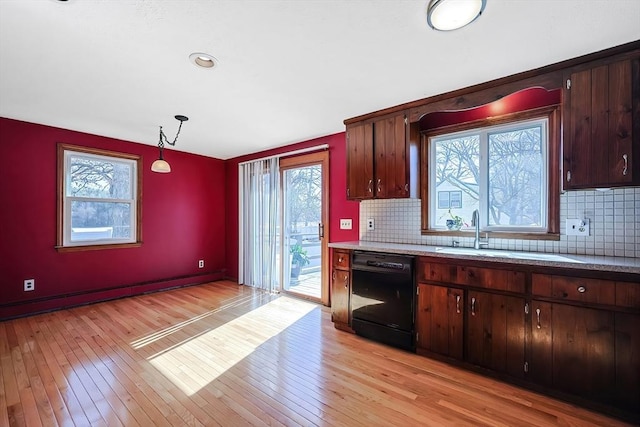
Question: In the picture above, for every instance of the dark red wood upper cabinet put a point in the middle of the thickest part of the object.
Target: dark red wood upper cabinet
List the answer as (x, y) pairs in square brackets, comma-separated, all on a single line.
[(360, 161), (377, 160), (390, 165), (601, 141)]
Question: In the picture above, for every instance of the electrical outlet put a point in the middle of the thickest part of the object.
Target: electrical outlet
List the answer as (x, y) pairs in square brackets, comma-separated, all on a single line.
[(29, 285), (201, 263), (577, 227), (345, 224), (370, 224)]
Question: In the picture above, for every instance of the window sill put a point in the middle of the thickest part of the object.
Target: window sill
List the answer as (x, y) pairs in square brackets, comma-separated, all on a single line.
[(85, 248), (494, 234)]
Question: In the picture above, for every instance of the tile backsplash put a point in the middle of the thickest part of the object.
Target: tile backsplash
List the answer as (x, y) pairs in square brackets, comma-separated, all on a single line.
[(614, 225)]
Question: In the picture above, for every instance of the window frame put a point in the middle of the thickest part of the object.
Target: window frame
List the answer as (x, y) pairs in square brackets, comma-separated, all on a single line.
[(64, 202), (552, 231)]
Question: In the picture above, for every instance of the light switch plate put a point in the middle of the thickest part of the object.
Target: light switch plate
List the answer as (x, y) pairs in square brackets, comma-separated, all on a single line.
[(345, 224), (577, 227)]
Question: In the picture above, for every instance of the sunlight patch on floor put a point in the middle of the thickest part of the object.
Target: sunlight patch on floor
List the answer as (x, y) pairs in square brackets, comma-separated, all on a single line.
[(158, 335), (195, 363)]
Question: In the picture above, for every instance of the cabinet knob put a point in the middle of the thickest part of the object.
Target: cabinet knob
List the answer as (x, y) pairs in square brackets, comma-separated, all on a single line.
[(379, 183), (340, 260), (582, 289), (370, 186), (626, 164)]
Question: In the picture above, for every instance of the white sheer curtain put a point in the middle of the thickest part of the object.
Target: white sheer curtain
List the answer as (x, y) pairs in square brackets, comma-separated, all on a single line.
[(259, 211)]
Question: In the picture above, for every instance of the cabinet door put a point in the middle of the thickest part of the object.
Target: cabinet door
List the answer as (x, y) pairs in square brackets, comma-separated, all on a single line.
[(340, 297), (620, 133), (439, 320), (390, 165), (599, 138), (360, 161), (627, 350), (583, 360), (495, 332), (541, 364)]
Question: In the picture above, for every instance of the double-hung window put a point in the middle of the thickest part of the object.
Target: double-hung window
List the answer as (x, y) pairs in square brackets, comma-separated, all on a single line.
[(98, 198), (502, 171)]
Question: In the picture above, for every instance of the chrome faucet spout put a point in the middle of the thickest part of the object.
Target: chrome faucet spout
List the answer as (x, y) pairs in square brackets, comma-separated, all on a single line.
[(475, 221)]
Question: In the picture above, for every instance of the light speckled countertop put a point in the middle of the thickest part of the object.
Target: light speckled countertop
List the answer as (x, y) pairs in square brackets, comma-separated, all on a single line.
[(581, 262)]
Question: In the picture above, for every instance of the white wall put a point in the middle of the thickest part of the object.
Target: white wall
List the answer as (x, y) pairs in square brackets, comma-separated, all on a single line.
[(614, 220)]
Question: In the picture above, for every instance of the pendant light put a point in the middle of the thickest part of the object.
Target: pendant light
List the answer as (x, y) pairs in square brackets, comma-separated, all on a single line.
[(161, 165)]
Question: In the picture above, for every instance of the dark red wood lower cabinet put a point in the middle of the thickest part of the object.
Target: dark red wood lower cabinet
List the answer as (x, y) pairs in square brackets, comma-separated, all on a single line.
[(439, 320), (627, 342), (340, 297), (495, 332), (573, 350)]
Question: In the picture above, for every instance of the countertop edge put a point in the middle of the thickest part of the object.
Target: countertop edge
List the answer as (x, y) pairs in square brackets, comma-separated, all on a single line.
[(581, 262)]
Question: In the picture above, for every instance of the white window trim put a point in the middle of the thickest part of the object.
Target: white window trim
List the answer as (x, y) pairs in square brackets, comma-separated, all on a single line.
[(132, 161), (483, 133)]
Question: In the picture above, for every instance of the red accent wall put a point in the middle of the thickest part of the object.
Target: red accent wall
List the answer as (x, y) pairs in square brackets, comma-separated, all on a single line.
[(183, 220), (339, 206)]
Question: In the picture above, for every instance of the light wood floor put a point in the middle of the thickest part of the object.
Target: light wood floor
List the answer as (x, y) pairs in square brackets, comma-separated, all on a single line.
[(223, 354)]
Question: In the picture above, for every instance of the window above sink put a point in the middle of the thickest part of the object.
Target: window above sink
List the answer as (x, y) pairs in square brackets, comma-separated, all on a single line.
[(501, 158)]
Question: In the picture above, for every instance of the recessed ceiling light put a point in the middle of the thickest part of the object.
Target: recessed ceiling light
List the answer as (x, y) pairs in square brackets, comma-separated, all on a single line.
[(203, 60)]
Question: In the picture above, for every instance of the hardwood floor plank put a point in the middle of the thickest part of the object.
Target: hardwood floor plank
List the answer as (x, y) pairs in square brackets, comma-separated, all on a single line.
[(28, 346), (46, 378), (67, 408), (80, 383), (4, 415), (229, 355)]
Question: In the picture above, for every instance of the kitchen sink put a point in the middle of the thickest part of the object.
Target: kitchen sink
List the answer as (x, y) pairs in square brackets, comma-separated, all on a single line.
[(536, 256)]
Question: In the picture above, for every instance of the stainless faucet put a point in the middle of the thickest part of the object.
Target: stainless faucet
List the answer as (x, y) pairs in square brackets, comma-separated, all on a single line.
[(475, 221)]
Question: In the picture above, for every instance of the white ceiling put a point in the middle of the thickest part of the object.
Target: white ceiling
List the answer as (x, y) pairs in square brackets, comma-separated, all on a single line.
[(288, 70)]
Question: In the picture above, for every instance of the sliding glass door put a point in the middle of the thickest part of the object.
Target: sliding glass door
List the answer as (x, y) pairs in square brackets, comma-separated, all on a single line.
[(304, 251)]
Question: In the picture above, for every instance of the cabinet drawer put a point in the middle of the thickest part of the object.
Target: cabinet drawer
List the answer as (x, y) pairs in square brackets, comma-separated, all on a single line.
[(341, 259), (574, 288), (504, 280), (628, 294), (430, 271)]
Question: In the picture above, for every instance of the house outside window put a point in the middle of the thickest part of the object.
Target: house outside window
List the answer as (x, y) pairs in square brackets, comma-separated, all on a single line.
[(449, 199), (98, 198), (500, 170)]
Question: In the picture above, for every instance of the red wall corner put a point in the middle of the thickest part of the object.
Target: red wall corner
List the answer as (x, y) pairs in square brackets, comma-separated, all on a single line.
[(182, 220)]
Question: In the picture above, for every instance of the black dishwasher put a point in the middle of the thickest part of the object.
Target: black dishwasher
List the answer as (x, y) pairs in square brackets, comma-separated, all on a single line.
[(383, 298)]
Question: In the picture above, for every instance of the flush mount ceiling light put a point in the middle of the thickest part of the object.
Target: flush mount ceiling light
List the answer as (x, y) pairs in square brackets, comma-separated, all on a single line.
[(161, 165), (447, 15), (203, 60)]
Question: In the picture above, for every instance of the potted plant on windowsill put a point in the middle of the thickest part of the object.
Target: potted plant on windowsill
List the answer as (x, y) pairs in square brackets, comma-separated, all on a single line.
[(455, 222), (299, 259)]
